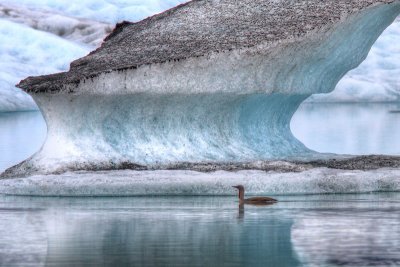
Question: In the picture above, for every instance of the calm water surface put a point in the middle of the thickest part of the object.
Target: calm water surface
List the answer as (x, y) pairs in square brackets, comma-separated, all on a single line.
[(326, 230), (352, 128), (21, 135)]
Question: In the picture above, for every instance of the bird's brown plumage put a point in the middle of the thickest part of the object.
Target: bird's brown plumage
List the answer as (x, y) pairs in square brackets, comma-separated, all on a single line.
[(253, 200)]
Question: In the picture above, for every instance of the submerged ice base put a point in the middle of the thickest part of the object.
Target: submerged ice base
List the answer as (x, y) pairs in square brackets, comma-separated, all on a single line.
[(192, 183), (227, 98)]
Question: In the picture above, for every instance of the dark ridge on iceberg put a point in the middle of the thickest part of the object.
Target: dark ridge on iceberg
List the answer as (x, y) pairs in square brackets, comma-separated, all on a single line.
[(367, 162), (118, 29), (199, 28), (362, 163)]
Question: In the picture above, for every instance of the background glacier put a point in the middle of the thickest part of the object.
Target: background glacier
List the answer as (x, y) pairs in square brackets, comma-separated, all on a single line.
[(41, 37)]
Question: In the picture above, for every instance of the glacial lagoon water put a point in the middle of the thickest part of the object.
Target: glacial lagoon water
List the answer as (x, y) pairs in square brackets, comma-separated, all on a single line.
[(300, 230), (349, 128), (21, 135), (319, 230)]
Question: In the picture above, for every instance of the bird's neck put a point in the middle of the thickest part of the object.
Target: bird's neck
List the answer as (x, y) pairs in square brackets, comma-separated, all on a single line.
[(241, 194)]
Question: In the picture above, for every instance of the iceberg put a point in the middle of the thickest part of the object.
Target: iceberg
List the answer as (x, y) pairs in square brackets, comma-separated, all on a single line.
[(213, 82)]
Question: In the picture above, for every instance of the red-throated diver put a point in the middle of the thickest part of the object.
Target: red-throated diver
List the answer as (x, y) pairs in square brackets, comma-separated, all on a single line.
[(253, 200)]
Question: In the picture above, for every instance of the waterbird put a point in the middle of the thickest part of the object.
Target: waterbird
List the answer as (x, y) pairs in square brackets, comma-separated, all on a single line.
[(253, 200)]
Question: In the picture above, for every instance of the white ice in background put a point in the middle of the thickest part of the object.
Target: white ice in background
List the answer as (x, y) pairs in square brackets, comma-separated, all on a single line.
[(78, 30), (111, 11), (26, 52), (377, 79)]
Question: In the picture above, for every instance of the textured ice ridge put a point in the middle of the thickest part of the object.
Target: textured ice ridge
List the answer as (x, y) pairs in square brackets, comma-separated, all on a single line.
[(167, 182), (208, 81)]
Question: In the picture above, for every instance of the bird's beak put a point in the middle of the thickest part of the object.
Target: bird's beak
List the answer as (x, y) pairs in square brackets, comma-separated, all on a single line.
[(235, 187)]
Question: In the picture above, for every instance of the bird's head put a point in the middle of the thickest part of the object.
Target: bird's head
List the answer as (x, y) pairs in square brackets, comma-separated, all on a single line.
[(239, 187)]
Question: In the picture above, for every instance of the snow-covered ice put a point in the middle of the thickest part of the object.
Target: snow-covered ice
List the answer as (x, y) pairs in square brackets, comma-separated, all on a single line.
[(83, 31), (111, 11), (168, 182), (25, 52)]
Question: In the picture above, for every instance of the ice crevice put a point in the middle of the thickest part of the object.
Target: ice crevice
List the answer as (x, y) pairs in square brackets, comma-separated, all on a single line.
[(225, 99)]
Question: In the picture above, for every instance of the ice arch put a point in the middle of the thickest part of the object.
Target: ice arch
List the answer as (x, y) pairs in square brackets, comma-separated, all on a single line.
[(208, 81)]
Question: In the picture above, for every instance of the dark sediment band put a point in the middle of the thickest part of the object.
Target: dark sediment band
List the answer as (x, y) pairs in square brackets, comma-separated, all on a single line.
[(362, 163)]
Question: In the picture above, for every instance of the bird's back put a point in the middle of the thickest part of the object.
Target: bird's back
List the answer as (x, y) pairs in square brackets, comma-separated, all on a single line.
[(261, 200)]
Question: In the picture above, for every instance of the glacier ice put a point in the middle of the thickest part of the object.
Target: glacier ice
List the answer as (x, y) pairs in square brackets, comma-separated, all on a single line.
[(78, 30), (111, 11), (377, 79), (231, 106), (164, 129), (18, 60)]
